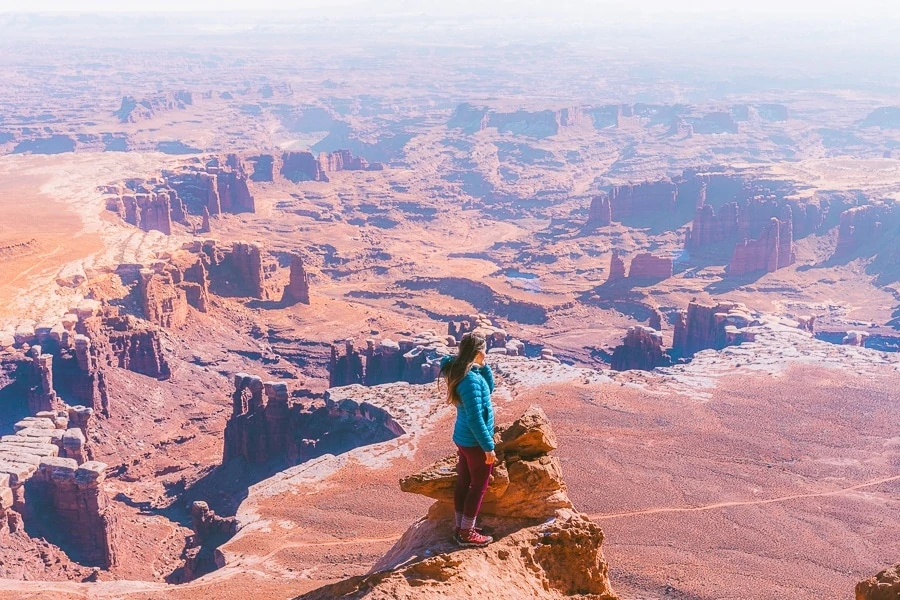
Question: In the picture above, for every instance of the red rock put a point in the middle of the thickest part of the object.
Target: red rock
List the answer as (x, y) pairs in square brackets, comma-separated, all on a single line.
[(616, 267), (773, 250), (264, 424), (705, 326), (68, 503), (641, 199), (647, 266), (863, 224), (301, 166), (600, 212), (883, 586), (297, 289), (641, 349)]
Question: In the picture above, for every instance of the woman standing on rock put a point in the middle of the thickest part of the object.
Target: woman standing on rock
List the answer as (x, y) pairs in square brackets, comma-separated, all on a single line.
[(469, 385)]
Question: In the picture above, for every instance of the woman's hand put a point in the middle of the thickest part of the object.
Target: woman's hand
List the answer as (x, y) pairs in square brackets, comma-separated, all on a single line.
[(490, 457)]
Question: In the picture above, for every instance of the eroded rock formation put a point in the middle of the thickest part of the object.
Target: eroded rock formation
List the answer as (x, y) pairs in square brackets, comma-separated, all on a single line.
[(220, 186), (265, 425), (600, 212), (773, 250), (704, 326), (883, 586), (616, 267), (210, 532), (73, 508), (864, 224), (302, 166), (641, 349), (654, 198), (133, 110), (414, 360), (49, 483), (649, 267), (559, 557), (297, 289)]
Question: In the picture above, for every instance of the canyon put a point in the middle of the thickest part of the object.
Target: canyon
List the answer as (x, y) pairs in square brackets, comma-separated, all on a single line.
[(235, 251)]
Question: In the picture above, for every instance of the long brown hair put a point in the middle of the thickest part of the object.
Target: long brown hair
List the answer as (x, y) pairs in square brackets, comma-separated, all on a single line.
[(457, 367)]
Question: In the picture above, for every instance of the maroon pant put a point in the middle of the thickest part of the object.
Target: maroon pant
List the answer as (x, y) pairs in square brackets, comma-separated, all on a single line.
[(473, 475)]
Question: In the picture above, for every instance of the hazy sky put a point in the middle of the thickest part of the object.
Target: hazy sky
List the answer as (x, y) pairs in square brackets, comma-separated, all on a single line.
[(875, 10)]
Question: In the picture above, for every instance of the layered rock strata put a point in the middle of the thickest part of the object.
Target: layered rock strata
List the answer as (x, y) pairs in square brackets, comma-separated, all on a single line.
[(716, 326), (641, 349), (155, 204), (773, 249), (297, 290), (864, 224), (48, 481), (544, 548), (883, 586), (266, 425), (649, 267), (414, 360)]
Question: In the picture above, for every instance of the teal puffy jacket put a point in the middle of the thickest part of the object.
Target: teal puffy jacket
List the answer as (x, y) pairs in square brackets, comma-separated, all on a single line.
[(475, 414)]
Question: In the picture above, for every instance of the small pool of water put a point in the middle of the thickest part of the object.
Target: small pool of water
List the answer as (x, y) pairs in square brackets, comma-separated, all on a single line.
[(517, 274), (882, 343)]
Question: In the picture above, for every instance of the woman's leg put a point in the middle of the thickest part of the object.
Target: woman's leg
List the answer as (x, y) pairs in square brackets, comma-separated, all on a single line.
[(480, 473), (463, 481)]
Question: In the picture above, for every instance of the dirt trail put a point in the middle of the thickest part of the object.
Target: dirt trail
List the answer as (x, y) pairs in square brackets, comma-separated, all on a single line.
[(674, 509)]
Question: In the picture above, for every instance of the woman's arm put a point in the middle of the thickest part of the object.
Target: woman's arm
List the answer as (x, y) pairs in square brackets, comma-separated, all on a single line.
[(488, 375), (474, 398)]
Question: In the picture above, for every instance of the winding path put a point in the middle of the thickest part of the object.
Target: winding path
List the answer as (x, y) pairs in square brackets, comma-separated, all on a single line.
[(652, 511)]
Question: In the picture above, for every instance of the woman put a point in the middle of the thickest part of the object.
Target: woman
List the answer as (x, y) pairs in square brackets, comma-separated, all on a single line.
[(469, 386)]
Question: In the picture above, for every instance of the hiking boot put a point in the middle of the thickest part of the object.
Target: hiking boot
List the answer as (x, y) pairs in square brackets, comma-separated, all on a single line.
[(470, 538)]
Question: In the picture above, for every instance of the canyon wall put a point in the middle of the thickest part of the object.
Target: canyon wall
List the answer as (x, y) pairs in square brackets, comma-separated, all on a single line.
[(703, 326), (864, 224), (183, 196), (641, 349), (266, 425), (773, 249), (649, 267), (49, 485)]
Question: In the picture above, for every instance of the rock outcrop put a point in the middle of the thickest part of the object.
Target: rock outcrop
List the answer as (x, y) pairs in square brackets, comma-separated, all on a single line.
[(886, 117), (133, 110), (651, 198), (237, 269), (600, 212), (266, 425), (537, 124), (49, 483), (716, 326), (297, 290), (302, 166), (649, 267), (641, 349), (616, 267), (544, 548), (496, 337), (864, 224), (773, 250), (855, 338), (210, 532), (220, 186), (414, 360), (343, 160), (69, 502), (883, 586)]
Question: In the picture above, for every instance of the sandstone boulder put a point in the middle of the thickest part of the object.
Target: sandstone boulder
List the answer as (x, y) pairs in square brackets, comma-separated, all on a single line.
[(883, 586), (526, 483)]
